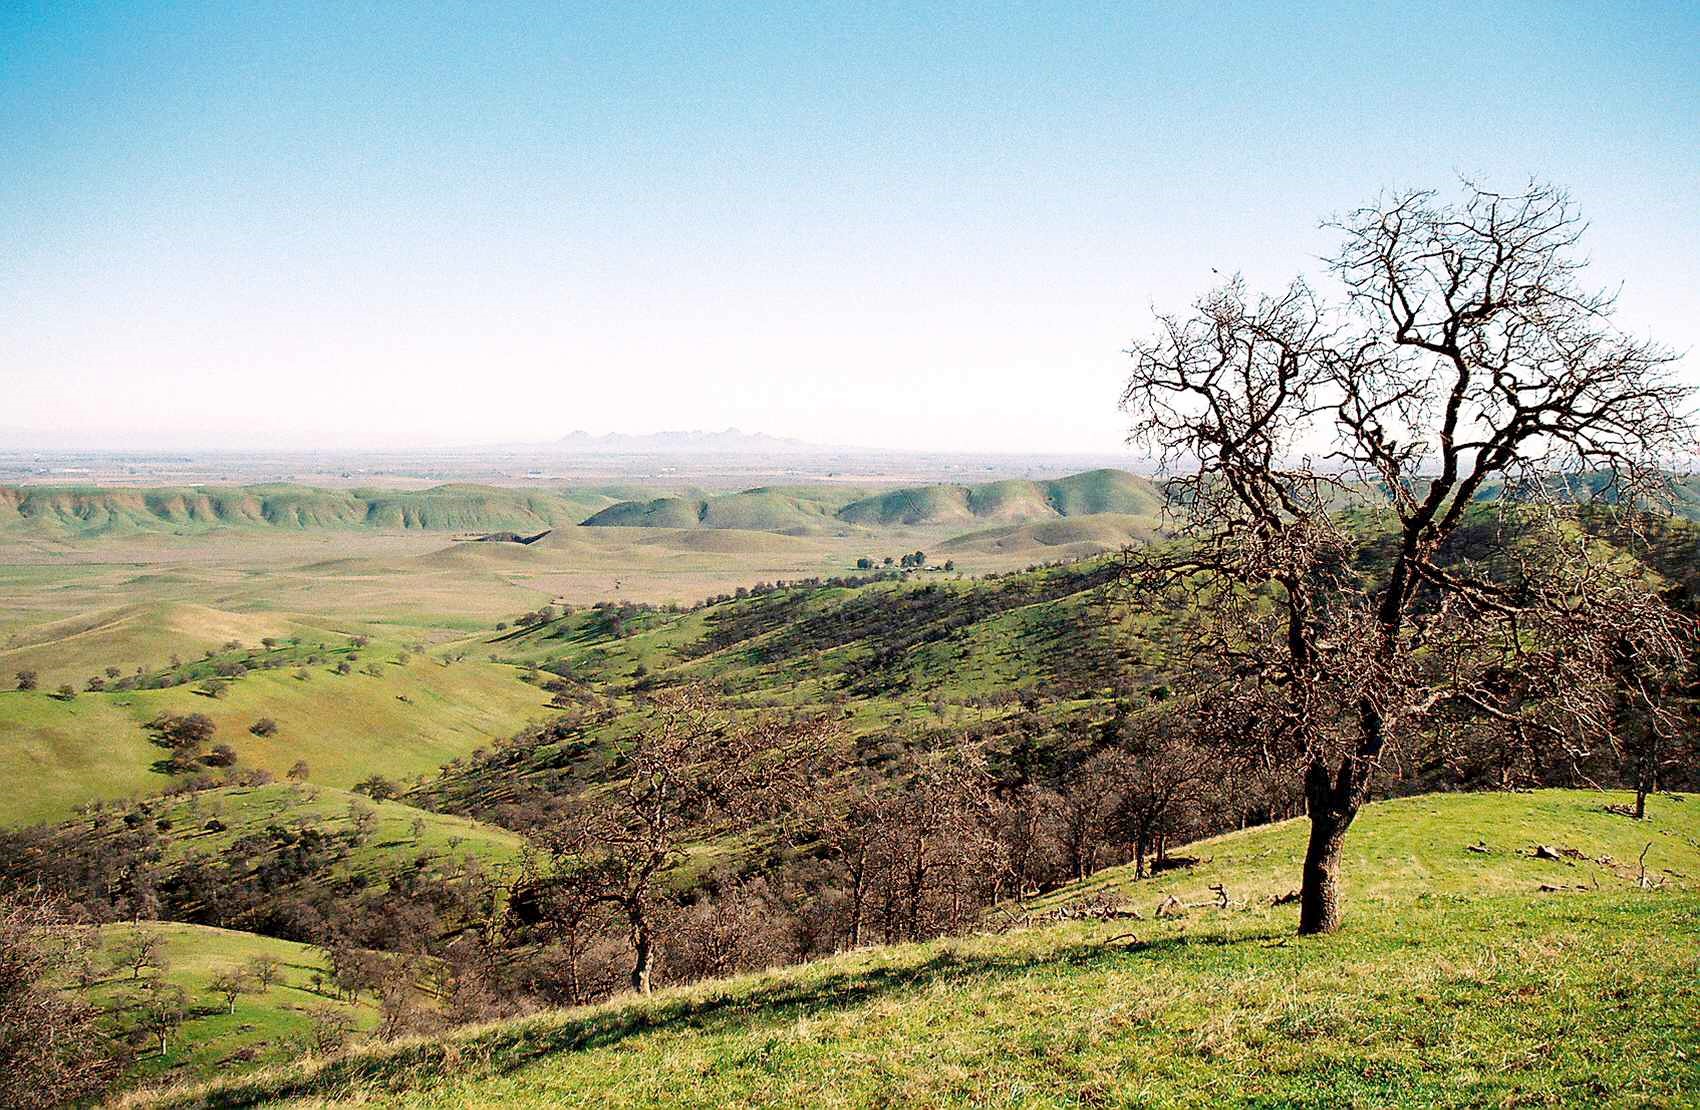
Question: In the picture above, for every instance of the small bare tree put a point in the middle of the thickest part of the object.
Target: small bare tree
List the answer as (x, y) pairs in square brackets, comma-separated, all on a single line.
[(1085, 805), (1464, 365), (264, 970), (855, 839), (1163, 779), (689, 764), (143, 948), (159, 1010), (231, 985)]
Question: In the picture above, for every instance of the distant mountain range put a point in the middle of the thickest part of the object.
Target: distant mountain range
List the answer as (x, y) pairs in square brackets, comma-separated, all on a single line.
[(731, 441)]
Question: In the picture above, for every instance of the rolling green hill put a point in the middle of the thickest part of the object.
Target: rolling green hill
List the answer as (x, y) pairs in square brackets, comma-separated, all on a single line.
[(268, 1026), (1072, 537), (246, 811), (812, 510), (215, 825), (83, 511), (804, 511), (411, 720), (138, 634), (1469, 973), (1097, 491)]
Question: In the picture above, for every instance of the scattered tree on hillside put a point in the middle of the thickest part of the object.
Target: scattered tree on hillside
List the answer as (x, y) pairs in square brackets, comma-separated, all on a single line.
[(27, 680), (265, 726), (264, 970), (1466, 365), (378, 788), (159, 1009), (688, 763), (143, 948), (364, 821), (184, 731), (230, 985)]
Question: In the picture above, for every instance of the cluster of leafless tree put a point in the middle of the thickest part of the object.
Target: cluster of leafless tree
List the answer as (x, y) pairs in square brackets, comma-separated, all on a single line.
[(912, 855)]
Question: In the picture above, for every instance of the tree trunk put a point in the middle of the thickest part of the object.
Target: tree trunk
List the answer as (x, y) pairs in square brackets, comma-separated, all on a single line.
[(1646, 781), (1332, 808), (858, 895), (644, 947)]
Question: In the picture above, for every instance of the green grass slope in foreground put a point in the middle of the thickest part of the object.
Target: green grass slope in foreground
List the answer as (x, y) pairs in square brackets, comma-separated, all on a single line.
[(1457, 981)]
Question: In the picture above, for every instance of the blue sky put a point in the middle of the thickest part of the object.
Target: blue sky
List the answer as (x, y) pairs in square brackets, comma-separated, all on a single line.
[(900, 225)]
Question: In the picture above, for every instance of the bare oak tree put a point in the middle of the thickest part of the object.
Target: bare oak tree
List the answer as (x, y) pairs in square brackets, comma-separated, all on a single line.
[(1464, 368), (690, 763), (52, 1052)]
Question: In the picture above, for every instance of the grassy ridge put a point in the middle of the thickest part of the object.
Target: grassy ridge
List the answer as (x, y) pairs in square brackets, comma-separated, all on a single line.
[(1054, 539), (1096, 491), (138, 634), (1458, 981), (811, 510), (768, 509), (93, 511)]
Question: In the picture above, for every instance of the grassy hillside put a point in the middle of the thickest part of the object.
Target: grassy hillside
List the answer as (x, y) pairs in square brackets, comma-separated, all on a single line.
[(138, 634), (813, 510), (242, 812), (257, 832), (409, 721), (1073, 537), (908, 665), (269, 1026), (1460, 979), (800, 511), (1097, 491), (77, 511)]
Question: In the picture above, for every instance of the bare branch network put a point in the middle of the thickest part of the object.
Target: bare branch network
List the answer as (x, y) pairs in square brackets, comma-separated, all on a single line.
[(1340, 465)]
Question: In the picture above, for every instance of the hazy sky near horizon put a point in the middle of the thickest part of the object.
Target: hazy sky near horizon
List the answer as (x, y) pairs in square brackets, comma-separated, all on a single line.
[(905, 225)]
